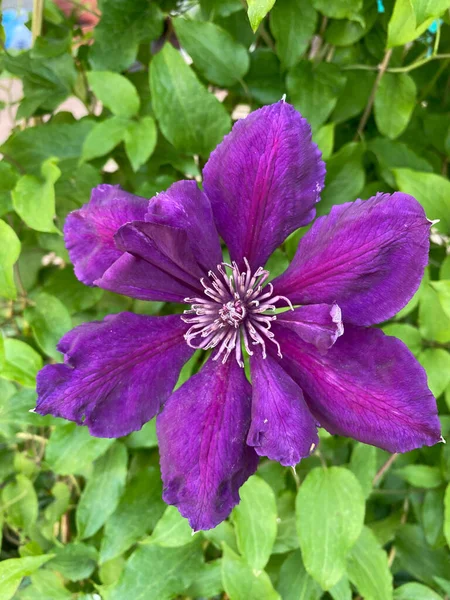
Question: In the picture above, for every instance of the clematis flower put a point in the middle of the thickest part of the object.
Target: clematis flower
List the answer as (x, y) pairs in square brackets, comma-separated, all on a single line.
[(317, 363)]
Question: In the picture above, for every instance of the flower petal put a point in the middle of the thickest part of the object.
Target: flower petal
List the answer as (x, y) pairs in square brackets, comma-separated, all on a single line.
[(318, 324), (282, 427), (185, 206), (117, 372), (263, 181), (367, 386), (368, 256), (89, 231), (201, 432)]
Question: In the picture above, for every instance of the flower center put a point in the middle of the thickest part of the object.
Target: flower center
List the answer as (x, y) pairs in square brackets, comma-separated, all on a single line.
[(235, 305)]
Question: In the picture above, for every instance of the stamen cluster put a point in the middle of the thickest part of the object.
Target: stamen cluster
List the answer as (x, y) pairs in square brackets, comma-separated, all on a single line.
[(235, 304)]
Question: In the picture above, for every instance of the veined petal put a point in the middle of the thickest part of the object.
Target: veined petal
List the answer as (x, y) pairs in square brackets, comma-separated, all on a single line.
[(117, 372), (282, 427), (89, 231), (368, 386), (263, 182), (368, 256), (318, 324), (185, 206), (201, 432)]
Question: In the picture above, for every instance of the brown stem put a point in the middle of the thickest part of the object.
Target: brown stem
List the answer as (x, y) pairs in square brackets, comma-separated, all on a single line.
[(387, 465), (381, 70)]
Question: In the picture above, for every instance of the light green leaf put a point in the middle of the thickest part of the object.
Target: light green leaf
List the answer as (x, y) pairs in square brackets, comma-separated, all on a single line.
[(19, 362), (403, 26), (436, 362), (116, 92), (215, 53), (74, 561), (431, 190), (172, 530), (443, 291), (104, 137), (342, 590), (392, 154), (241, 582), (71, 449), (330, 513), (156, 573), (395, 100), (340, 9), (415, 591), (363, 464), (101, 495), (20, 502), (368, 568), (140, 141), (49, 320), (434, 324), (257, 10), (324, 138), (255, 520), (345, 177), (34, 199), (407, 333), (292, 24), (287, 538), (314, 90), (421, 476), (208, 581), (46, 584), (9, 253), (447, 514), (12, 571), (191, 118), (294, 583), (426, 9)]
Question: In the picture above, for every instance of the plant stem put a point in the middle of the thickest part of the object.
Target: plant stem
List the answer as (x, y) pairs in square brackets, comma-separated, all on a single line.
[(36, 21), (384, 468)]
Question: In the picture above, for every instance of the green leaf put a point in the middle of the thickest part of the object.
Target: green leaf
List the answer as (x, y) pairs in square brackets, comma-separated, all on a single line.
[(75, 296), (342, 590), (255, 520), (264, 79), (368, 568), (415, 591), (49, 320), (74, 561), (71, 449), (257, 10), (407, 333), (421, 476), (426, 9), (101, 495), (314, 90), (443, 291), (324, 138), (363, 464), (172, 530), (12, 571), (330, 514), (431, 190), (292, 25), (156, 573), (46, 584), (345, 177), (434, 324), (294, 582), (104, 137), (139, 509), (395, 100), (145, 437), (124, 25), (19, 362), (287, 538), (433, 515), (140, 141), (34, 199), (339, 9), (241, 582), (191, 118), (392, 154), (116, 92), (436, 362), (403, 26), (20, 502), (208, 582), (217, 56), (447, 514), (354, 96), (9, 253)]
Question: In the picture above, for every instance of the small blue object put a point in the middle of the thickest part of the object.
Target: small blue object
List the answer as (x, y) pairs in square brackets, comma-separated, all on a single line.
[(18, 36), (380, 6), (435, 26)]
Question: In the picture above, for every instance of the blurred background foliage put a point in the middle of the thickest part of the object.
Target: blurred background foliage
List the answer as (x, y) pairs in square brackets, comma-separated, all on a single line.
[(137, 93)]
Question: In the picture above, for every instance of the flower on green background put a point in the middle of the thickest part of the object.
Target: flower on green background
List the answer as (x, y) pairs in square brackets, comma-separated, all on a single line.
[(317, 364)]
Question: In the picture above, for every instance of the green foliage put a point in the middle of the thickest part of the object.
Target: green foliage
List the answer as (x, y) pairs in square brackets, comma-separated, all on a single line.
[(83, 517)]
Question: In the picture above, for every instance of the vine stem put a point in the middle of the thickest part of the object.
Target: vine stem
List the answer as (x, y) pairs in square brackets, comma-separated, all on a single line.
[(381, 71), (36, 21), (384, 468)]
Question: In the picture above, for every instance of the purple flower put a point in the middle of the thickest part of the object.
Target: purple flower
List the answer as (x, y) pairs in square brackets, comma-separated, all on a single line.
[(314, 365)]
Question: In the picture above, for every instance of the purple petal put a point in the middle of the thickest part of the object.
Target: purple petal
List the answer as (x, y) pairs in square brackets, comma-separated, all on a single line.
[(117, 372), (369, 257), (263, 181), (282, 427), (185, 206), (201, 432), (368, 386), (318, 324), (89, 231)]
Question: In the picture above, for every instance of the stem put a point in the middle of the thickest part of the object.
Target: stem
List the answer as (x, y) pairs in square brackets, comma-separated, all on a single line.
[(418, 64), (36, 22), (387, 465), (381, 71)]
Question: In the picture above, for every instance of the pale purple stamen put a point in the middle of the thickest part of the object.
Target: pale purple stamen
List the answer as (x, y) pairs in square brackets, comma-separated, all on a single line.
[(234, 304)]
